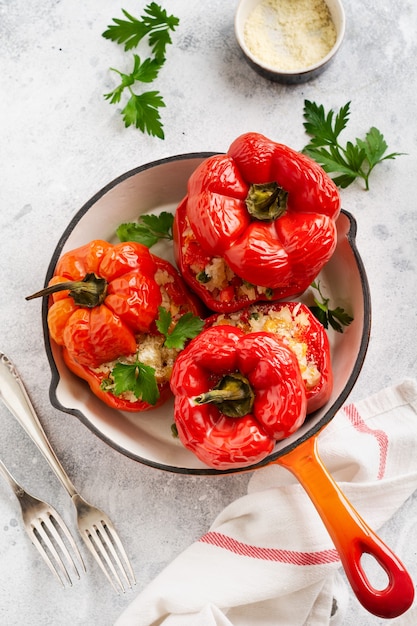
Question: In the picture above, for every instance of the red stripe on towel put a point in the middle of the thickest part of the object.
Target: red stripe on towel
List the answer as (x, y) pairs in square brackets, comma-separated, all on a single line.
[(381, 436), (270, 554)]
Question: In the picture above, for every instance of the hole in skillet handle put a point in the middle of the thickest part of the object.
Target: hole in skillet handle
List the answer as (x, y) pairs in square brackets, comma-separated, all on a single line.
[(376, 575), (351, 535)]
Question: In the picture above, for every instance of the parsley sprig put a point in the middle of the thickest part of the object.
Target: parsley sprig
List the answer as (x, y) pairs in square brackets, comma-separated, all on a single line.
[(148, 230), (187, 327), (137, 378), (336, 318), (356, 159), (142, 110)]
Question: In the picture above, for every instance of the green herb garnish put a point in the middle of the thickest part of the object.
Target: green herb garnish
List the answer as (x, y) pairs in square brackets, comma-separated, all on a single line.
[(137, 378), (187, 327), (148, 230), (336, 318), (142, 110), (202, 277), (355, 160), (154, 24)]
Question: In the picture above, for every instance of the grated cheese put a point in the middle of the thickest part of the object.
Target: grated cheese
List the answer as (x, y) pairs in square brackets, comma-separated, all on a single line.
[(162, 278), (289, 326), (290, 34)]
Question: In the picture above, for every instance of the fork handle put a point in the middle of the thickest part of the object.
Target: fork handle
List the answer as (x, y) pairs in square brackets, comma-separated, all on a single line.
[(16, 399), (18, 490)]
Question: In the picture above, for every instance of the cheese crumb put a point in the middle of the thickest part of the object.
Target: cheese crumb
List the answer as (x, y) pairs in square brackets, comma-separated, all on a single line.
[(290, 34)]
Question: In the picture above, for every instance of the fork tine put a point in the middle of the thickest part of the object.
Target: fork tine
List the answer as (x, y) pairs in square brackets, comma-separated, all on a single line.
[(93, 544), (56, 520), (38, 545), (104, 532), (40, 539), (116, 540), (101, 538)]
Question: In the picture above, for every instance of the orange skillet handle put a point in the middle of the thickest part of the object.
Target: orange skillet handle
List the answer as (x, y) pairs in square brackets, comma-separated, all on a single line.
[(351, 535)]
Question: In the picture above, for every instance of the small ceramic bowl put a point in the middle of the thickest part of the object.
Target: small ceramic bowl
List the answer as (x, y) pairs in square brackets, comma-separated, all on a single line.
[(294, 49)]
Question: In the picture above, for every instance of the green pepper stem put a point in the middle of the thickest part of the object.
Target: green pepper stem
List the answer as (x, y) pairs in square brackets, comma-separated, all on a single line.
[(88, 292), (267, 201), (233, 395), (219, 395)]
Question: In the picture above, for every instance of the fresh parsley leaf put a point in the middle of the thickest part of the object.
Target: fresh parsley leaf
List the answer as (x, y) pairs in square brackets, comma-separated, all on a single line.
[(164, 321), (137, 378), (321, 315), (115, 95), (375, 147), (320, 125), (148, 230), (356, 159), (155, 17), (129, 31), (159, 25), (145, 72), (155, 23), (339, 318), (336, 318), (142, 111), (332, 161), (159, 41), (187, 327)]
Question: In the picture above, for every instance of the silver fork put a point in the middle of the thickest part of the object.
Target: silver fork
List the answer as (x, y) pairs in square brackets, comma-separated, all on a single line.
[(43, 525), (95, 527)]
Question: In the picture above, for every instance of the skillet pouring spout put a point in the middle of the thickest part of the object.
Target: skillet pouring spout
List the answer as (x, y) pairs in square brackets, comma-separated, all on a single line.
[(350, 534)]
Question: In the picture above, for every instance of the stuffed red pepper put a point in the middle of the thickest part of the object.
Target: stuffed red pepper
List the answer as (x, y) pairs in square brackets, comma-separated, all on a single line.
[(235, 395), (258, 223), (108, 306)]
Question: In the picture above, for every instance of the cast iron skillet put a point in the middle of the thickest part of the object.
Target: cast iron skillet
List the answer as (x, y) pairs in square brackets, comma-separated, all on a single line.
[(146, 437)]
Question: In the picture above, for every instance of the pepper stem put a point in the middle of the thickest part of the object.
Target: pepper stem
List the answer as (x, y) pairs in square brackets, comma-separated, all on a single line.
[(267, 201), (233, 396), (88, 292)]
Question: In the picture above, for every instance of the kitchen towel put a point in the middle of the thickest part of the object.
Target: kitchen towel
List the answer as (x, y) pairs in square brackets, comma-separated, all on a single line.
[(267, 559)]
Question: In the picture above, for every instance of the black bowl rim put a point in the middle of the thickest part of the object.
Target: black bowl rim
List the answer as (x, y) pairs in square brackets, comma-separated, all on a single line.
[(325, 419)]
